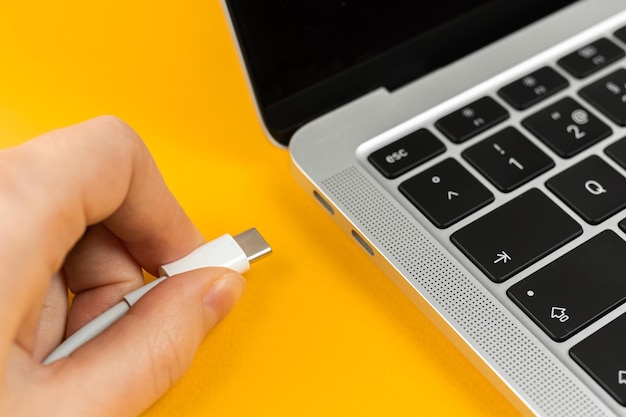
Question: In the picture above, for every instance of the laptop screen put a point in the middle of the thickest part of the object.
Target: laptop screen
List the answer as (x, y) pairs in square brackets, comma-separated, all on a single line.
[(307, 57)]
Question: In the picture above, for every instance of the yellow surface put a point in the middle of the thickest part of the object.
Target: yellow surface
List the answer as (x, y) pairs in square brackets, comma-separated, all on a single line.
[(319, 330)]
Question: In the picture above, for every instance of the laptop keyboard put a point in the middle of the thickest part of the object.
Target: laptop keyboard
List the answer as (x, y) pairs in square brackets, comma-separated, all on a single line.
[(585, 284)]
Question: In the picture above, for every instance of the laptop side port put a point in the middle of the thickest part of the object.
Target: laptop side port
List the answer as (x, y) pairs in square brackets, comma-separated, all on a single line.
[(323, 202), (363, 243)]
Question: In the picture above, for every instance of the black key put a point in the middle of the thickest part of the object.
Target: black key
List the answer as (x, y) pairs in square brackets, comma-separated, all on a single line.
[(591, 58), (622, 225), (533, 88), (621, 34), (515, 235), (608, 94), (617, 152), (472, 119), (576, 289), (567, 127), (592, 188), (446, 193), (508, 159), (407, 153), (602, 356)]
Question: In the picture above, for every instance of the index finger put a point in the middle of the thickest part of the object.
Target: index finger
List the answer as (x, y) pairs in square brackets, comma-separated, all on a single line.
[(53, 187)]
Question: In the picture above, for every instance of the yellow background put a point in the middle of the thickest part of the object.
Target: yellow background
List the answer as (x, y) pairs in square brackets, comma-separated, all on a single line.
[(319, 330)]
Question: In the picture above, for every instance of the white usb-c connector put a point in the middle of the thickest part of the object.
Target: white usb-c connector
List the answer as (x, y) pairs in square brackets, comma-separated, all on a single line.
[(234, 252)]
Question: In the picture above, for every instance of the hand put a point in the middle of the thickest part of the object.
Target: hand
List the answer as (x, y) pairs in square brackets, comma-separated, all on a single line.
[(85, 208)]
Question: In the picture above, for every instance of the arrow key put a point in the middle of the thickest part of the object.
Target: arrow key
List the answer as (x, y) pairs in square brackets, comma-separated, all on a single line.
[(502, 257), (577, 289), (515, 235), (601, 355)]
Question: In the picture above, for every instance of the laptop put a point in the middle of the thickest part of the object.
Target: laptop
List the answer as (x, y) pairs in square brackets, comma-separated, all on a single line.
[(476, 151)]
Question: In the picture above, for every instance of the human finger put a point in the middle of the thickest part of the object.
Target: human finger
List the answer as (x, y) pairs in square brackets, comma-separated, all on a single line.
[(50, 329), (99, 271), (140, 357), (55, 186)]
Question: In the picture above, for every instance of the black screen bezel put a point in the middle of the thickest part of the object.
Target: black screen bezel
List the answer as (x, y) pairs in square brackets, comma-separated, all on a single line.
[(397, 65)]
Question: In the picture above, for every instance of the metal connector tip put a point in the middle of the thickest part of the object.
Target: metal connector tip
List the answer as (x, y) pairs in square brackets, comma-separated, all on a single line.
[(253, 244)]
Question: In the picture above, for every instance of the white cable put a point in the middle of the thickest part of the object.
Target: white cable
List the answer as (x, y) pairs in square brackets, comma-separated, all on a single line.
[(226, 251)]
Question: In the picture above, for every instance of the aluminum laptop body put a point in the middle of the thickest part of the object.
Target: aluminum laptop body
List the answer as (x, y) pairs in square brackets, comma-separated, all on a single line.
[(537, 356)]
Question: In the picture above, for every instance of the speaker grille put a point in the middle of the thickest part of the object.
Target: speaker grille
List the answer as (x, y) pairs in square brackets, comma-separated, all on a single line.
[(485, 323)]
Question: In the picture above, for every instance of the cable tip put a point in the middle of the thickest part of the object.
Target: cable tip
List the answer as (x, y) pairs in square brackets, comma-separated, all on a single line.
[(253, 244)]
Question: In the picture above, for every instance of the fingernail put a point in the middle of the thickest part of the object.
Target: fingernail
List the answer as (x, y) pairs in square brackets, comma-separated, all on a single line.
[(224, 294)]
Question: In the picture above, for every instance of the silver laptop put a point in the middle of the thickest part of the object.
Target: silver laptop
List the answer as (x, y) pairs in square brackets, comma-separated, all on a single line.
[(476, 150)]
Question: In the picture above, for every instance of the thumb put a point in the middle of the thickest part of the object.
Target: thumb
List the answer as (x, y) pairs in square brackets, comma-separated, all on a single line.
[(130, 365)]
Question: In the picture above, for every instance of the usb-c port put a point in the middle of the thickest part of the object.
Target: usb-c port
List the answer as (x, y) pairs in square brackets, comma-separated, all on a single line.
[(323, 202), (363, 243)]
